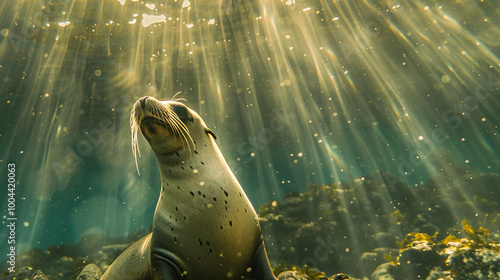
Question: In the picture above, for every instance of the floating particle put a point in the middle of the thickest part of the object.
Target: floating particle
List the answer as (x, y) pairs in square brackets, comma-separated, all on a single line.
[(64, 23)]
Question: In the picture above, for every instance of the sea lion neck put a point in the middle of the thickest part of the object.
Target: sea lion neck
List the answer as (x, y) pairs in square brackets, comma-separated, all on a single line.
[(192, 163)]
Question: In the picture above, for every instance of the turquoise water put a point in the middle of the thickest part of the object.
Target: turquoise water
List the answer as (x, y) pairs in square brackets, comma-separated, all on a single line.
[(296, 91)]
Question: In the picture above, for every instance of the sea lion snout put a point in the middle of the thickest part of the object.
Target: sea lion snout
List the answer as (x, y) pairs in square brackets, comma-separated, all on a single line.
[(163, 124), (144, 108)]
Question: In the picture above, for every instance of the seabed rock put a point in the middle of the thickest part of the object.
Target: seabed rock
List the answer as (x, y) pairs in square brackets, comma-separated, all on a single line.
[(416, 262), (481, 263), (90, 272), (477, 256), (292, 275), (26, 273)]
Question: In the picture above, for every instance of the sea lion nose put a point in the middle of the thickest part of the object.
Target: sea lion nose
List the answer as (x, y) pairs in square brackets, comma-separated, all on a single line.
[(143, 101)]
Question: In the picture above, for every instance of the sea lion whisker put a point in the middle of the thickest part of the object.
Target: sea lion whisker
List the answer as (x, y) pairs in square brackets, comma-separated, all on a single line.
[(182, 131), (134, 127), (176, 123), (175, 127), (177, 99), (188, 139)]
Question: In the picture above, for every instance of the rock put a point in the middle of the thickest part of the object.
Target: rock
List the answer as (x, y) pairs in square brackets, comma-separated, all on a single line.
[(382, 272), (111, 252), (372, 259), (483, 263), (26, 273), (90, 272), (438, 274), (292, 275), (339, 276), (475, 256), (417, 261)]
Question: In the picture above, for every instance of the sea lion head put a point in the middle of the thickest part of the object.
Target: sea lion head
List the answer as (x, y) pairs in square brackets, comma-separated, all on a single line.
[(168, 125)]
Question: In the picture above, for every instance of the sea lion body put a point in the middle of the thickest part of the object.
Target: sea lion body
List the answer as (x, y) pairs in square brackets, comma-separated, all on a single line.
[(204, 226)]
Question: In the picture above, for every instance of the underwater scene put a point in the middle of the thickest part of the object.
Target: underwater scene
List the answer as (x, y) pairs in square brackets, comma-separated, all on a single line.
[(250, 139)]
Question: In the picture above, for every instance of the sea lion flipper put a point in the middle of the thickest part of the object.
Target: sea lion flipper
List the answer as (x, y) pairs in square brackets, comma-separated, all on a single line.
[(166, 265), (165, 272), (261, 268), (133, 263)]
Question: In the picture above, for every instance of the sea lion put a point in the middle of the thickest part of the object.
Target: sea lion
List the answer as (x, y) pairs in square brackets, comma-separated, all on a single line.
[(204, 226)]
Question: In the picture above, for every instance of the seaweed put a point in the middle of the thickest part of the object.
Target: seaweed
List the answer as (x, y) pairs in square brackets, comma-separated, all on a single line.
[(397, 217), (476, 238), (311, 272), (392, 260), (476, 235), (417, 237)]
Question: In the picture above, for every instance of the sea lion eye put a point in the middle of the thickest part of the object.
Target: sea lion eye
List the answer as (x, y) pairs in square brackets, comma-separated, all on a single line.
[(182, 112)]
